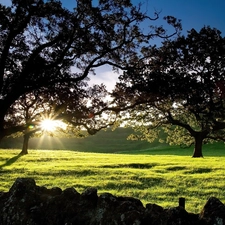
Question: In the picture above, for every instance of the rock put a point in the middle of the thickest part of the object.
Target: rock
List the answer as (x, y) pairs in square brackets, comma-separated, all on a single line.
[(27, 203), (23, 197), (178, 215), (154, 215), (90, 194), (213, 212)]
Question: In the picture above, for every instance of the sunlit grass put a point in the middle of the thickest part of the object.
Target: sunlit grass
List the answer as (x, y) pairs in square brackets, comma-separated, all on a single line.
[(159, 179)]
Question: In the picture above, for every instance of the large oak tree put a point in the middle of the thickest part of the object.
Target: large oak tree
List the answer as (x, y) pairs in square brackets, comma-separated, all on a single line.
[(180, 88), (44, 46)]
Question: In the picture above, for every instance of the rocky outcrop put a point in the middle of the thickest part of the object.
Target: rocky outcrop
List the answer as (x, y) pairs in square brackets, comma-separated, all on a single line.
[(27, 203), (213, 212)]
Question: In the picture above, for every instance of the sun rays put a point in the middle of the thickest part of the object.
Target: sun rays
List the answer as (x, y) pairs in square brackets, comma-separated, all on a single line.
[(51, 125)]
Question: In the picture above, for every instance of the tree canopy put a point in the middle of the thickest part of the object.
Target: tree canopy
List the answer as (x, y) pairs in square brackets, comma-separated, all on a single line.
[(47, 48), (179, 88)]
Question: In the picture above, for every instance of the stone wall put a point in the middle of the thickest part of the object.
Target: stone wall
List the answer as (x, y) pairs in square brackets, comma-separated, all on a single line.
[(29, 204)]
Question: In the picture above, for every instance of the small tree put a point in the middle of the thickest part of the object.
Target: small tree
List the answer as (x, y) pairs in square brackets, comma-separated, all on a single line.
[(180, 88), (27, 112), (71, 112)]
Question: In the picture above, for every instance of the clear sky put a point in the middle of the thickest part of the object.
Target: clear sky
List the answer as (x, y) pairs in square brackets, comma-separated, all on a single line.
[(193, 14)]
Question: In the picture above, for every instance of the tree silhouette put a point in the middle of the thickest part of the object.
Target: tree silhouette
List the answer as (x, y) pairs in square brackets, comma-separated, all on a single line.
[(28, 112), (178, 87), (44, 45), (74, 110)]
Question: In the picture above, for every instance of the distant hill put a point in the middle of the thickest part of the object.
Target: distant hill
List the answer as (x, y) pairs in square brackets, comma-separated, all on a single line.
[(110, 142), (104, 141)]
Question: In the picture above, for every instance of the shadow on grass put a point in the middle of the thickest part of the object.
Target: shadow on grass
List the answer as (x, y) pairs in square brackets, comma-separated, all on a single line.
[(131, 165), (11, 161)]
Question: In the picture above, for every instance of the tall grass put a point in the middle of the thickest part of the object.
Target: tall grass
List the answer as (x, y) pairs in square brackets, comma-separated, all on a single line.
[(159, 179)]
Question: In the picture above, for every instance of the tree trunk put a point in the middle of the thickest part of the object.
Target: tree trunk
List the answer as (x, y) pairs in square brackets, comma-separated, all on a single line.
[(25, 144), (198, 145)]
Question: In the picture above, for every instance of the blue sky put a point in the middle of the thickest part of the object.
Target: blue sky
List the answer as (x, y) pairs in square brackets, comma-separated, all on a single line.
[(193, 14)]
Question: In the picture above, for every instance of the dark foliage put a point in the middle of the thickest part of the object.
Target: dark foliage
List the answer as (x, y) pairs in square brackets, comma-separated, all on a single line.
[(181, 83), (49, 51)]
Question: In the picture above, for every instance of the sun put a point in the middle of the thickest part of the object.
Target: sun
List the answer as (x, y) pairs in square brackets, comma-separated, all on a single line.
[(48, 125), (51, 125)]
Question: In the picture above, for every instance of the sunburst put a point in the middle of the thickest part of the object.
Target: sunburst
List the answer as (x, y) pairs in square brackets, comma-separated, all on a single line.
[(52, 125)]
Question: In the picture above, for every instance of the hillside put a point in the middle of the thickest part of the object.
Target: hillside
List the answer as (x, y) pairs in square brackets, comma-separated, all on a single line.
[(104, 141), (110, 142)]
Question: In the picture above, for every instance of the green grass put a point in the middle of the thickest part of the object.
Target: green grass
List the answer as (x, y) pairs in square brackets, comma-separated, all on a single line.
[(110, 142), (216, 149), (159, 179)]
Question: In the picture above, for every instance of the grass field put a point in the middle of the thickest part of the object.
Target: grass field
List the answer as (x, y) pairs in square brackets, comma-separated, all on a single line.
[(157, 176)]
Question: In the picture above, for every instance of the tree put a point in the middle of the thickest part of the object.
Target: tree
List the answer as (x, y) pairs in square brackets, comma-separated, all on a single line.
[(44, 45), (25, 112), (64, 112), (30, 111), (179, 88)]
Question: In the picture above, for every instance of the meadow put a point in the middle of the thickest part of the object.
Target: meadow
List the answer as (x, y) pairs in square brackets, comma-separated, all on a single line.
[(159, 175)]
